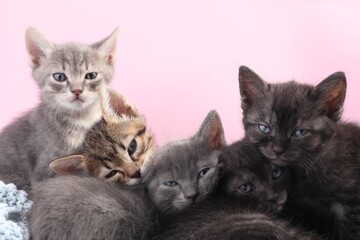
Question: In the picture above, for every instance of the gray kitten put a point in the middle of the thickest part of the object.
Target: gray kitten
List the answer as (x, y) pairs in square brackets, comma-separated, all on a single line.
[(70, 77), (181, 173), (186, 171)]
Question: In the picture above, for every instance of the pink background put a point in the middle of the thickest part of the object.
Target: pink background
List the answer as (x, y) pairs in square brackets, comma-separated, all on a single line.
[(177, 60)]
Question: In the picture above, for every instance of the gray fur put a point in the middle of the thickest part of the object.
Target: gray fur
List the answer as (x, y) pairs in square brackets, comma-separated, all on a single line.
[(182, 161), (71, 207), (58, 125)]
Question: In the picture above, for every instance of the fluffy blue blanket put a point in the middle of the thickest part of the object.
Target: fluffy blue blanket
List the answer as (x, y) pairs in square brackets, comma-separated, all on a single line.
[(14, 206)]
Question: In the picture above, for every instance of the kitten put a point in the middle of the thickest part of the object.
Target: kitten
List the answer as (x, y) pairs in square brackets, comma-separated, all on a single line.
[(69, 76), (180, 173), (115, 149), (249, 186), (186, 170), (250, 180), (298, 125)]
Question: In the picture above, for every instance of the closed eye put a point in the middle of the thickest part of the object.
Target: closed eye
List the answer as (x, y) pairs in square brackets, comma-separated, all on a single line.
[(171, 183), (111, 174)]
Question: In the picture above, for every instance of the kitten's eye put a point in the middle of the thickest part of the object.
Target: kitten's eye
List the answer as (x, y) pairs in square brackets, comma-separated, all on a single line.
[(300, 132), (247, 187), (276, 173), (171, 183), (203, 172), (91, 75), (132, 147), (263, 128), (60, 77), (111, 174)]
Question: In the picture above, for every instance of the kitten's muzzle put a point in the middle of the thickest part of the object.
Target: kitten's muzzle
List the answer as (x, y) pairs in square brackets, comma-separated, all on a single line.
[(192, 196)]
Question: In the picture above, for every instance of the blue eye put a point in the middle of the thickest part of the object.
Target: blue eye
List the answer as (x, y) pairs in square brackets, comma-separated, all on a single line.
[(60, 77), (263, 128), (171, 183), (276, 173), (203, 172), (247, 187), (132, 147), (300, 132), (91, 75)]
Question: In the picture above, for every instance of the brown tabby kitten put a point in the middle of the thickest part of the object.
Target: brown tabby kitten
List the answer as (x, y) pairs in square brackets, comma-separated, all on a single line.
[(249, 186), (115, 149), (298, 125)]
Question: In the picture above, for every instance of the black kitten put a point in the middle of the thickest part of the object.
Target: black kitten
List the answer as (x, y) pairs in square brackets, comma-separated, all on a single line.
[(297, 125)]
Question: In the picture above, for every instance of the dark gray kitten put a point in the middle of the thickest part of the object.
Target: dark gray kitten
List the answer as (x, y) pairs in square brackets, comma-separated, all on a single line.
[(70, 77), (181, 173), (249, 192), (298, 125)]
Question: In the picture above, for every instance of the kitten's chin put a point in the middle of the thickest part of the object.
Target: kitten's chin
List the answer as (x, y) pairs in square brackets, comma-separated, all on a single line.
[(133, 181)]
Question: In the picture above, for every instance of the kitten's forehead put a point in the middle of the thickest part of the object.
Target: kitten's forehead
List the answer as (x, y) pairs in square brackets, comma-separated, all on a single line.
[(281, 104), (184, 155), (73, 56)]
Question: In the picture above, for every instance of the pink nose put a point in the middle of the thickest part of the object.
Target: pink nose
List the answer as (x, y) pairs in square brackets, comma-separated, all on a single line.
[(77, 92)]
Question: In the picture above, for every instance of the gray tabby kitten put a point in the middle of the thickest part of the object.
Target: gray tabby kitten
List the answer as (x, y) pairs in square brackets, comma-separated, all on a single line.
[(69, 76), (180, 173)]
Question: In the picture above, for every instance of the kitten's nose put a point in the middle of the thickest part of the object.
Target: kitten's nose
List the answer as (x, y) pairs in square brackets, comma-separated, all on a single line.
[(278, 149), (134, 173), (274, 198), (77, 92), (192, 196)]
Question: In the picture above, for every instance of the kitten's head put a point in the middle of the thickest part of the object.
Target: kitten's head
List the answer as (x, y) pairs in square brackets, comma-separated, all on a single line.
[(115, 149), (247, 178), (185, 171), (70, 75), (290, 121)]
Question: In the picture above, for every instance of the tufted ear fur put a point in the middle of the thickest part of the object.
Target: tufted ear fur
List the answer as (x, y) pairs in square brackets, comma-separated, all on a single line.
[(107, 46), (38, 46), (74, 164), (212, 131), (330, 95), (252, 87), (121, 105)]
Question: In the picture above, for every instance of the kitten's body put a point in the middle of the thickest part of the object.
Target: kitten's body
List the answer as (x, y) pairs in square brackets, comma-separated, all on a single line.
[(298, 125), (70, 77), (227, 222), (73, 207)]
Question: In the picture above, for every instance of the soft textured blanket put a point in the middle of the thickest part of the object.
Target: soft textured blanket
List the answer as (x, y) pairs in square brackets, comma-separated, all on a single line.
[(13, 208)]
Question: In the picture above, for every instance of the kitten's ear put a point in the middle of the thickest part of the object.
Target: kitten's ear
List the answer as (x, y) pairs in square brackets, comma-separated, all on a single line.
[(252, 87), (121, 105), (38, 46), (74, 164), (107, 46), (212, 131), (330, 95)]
